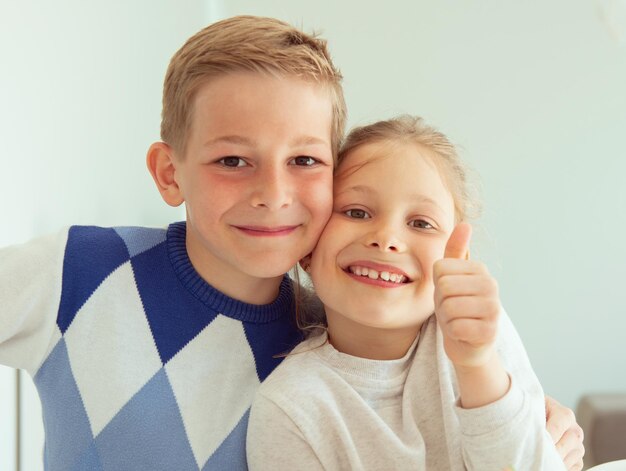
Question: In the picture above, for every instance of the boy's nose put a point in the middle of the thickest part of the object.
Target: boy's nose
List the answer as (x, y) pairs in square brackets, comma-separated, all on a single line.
[(386, 239), (272, 190)]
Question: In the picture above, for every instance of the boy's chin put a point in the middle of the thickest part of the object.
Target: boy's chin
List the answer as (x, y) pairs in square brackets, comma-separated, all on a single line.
[(268, 270)]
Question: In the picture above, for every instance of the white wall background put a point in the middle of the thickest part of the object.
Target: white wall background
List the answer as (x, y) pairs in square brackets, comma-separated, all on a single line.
[(534, 93)]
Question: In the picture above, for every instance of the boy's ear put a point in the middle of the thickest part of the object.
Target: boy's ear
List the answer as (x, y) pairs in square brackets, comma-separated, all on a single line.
[(161, 164), (305, 263)]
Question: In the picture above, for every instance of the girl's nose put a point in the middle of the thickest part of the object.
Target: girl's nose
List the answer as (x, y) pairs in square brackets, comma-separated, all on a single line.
[(386, 238)]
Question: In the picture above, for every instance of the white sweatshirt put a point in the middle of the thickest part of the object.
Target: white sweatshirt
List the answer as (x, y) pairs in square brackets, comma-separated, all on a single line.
[(322, 409)]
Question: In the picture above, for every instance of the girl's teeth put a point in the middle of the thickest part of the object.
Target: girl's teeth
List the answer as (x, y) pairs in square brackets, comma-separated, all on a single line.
[(374, 275)]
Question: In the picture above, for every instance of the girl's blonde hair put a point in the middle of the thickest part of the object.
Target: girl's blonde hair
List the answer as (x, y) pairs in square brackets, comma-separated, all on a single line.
[(245, 44)]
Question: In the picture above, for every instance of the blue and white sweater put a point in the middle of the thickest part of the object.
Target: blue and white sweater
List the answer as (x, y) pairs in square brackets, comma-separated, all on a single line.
[(139, 363)]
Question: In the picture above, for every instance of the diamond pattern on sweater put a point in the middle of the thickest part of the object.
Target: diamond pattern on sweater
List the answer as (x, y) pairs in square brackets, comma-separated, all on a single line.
[(96, 358), (63, 411), (150, 417), (231, 455), (140, 239), (267, 341), (195, 382), (105, 251), (161, 291), (141, 372)]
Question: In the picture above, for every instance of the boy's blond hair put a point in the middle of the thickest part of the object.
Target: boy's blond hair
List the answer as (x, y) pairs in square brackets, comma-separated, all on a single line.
[(406, 129), (245, 44)]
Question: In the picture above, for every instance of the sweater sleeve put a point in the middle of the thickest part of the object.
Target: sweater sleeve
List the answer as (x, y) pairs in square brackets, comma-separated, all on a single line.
[(510, 432), (30, 292), (275, 442)]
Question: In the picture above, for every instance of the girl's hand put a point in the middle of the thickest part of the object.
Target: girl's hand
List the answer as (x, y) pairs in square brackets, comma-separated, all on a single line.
[(467, 303)]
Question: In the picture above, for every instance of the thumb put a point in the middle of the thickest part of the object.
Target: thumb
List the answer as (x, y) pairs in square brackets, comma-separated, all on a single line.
[(458, 243)]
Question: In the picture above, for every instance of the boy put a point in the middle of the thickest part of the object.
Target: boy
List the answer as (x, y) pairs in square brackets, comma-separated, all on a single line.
[(148, 345)]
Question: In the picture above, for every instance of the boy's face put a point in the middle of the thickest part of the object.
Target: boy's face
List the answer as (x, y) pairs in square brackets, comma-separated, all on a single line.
[(391, 220), (256, 177)]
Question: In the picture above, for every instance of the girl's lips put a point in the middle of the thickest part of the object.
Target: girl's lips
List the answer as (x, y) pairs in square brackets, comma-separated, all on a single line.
[(263, 231)]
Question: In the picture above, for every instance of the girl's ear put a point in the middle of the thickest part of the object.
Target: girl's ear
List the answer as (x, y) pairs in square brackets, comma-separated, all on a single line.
[(305, 263)]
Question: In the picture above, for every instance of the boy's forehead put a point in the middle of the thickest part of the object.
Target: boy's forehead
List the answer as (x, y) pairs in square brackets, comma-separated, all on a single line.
[(238, 100)]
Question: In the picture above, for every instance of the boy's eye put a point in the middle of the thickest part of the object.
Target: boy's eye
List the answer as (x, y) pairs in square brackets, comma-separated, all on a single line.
[(357, 214), (232, 162), (421, 224), (303, 161)]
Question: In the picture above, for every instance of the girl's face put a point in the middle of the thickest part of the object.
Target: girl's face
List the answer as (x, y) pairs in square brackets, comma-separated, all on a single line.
[(391, 220)]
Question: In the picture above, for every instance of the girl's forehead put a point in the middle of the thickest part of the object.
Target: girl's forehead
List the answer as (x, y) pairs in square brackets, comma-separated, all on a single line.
[(397, 155)]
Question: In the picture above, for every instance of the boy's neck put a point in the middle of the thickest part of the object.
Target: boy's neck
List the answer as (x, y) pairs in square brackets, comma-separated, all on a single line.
[(234, 284), (369, 342)]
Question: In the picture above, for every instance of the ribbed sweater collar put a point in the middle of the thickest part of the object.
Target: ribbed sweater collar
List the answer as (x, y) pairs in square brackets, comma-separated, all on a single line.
[(216, 300), (363, 368)]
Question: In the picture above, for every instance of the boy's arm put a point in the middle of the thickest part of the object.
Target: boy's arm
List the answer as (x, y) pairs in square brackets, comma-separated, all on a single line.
[(566, 434), (30, 291), (275, 442)]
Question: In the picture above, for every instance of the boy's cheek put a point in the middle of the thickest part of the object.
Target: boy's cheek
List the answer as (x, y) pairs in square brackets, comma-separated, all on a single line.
[(320, 199)]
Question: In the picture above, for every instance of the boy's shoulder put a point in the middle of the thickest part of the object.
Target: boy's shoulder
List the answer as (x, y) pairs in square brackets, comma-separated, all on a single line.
[(92, 254), (126, 241)]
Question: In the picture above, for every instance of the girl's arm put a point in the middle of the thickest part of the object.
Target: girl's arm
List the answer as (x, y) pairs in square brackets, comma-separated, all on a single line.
[(501, 403), (467, 305), (275, 442)]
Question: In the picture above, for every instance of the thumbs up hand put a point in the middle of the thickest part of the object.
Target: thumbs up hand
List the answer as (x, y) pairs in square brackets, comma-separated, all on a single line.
[(467, 303)]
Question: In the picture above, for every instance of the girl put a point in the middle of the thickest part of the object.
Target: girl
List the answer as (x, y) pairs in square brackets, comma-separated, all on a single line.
[(417, 366)]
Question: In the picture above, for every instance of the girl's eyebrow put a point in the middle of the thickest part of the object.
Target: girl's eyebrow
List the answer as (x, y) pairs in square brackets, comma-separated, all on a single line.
[(358, 189)]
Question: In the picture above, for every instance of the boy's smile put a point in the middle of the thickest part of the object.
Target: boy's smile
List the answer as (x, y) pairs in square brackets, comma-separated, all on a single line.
[(256, 179), (372, 267)]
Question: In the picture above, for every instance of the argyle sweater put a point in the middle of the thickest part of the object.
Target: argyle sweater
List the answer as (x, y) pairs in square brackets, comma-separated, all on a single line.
[(139, 363)]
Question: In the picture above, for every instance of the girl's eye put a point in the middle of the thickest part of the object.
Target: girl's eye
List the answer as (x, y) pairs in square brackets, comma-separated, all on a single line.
[(357, 214), (303, 161), (421, 224), (232, 162)]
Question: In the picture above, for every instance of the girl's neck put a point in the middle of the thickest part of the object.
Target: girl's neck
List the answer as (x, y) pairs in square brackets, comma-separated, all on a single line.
[(373, 343)]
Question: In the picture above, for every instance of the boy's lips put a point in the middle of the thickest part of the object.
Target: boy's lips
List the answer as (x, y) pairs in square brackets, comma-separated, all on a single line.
[(267, 231), (377, 273)]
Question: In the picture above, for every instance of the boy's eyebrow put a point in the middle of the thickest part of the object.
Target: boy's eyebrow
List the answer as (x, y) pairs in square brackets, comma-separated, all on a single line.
[(367, 190), (308, 140), (234, 139), (244, 141)]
